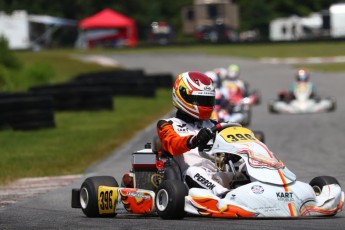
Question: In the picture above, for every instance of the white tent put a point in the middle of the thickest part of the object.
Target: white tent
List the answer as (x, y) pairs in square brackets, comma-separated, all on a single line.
[(17, 28)]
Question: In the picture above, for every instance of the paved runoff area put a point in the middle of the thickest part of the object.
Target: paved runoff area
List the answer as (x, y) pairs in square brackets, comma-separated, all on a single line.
[(30, 187)]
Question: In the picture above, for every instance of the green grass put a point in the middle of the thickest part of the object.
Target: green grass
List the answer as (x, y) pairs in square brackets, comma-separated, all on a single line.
[(79, 139)]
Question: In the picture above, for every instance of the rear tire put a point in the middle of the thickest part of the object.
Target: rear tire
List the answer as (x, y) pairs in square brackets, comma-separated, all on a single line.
[(89, 194), (170, 199), (334, 105), (271, 107)]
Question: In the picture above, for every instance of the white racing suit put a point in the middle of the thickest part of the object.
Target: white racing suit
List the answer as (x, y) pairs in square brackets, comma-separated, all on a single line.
[(196, 170)]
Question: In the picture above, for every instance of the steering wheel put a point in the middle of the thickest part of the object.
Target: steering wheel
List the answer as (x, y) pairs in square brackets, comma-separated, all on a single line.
[(220, 126), (217, 128)]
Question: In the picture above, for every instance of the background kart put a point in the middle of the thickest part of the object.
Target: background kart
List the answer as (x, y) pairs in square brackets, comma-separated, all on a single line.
[(301, 101), (262, 186)]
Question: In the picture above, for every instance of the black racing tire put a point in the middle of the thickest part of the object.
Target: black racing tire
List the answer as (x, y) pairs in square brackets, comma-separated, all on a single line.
[(259, 135), (318, 182), (257, 93), (170, 199), (271, 107), (89, 194), (248, 119), (334, 105)]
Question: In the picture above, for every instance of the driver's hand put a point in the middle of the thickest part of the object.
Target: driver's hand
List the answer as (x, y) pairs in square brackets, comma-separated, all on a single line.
[(201, 139)]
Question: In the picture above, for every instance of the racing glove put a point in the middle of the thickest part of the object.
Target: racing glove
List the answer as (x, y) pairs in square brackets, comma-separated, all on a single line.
[(201, 139)]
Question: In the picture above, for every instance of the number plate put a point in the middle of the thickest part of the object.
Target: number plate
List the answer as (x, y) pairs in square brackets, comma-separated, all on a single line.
[(107, 197), (237, 135)]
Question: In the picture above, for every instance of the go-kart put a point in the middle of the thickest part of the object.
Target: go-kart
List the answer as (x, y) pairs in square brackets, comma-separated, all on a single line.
[(241, 112), (260, 185), (301, 101), (233, 105)]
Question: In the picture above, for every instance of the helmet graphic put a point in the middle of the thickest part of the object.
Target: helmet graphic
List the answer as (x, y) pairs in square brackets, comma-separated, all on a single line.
[(233, 72), (302, 75), (194, 94)]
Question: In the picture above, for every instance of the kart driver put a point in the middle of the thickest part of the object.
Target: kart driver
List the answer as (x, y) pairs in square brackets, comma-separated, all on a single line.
[(302, 77), (194, 97), (233, 76)]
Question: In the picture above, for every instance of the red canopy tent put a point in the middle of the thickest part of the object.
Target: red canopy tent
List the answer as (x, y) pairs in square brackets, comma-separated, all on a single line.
[(109, 19)]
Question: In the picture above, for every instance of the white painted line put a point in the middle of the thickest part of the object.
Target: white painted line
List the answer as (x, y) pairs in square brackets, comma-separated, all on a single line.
[(306, 60)]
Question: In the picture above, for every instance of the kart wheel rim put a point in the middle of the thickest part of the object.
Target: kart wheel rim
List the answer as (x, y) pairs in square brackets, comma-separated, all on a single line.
[(84, 198), (162, 200), (317, 190)]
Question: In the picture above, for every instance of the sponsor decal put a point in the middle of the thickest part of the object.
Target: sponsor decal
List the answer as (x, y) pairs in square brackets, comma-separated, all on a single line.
[(203, 181), (285, 196), (139, 195), (257, 189), (182, 128)]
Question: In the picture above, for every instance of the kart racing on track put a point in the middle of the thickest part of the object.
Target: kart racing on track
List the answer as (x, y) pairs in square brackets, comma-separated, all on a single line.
[(233, 105), (260, 185), (301, 101)]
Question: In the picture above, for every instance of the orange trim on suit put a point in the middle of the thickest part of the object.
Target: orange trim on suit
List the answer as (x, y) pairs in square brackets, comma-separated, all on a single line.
[(171, 141)]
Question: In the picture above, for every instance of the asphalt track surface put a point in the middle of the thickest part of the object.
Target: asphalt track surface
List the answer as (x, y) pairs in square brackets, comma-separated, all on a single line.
[(309, 145)]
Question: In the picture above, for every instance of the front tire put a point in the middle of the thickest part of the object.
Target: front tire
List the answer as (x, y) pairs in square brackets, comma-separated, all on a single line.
[(89, 194), (170, 199), (318, 182), (259, 135)]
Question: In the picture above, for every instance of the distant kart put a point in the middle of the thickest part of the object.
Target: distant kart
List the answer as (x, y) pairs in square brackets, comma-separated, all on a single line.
[(302, 102), (239, 113)]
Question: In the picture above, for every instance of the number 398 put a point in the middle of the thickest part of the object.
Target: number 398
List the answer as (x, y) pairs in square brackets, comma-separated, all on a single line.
[(240, 137)]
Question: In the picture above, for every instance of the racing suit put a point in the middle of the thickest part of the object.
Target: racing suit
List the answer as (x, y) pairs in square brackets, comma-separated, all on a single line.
[(197, 171)]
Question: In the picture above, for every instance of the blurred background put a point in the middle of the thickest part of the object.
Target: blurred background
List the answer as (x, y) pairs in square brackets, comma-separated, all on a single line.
[(33, 25)]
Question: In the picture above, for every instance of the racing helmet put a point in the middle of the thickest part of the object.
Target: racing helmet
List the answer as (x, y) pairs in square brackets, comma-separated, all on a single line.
[(302, 75), (221, 72), (213, 76), (233, 72), (194, 94)]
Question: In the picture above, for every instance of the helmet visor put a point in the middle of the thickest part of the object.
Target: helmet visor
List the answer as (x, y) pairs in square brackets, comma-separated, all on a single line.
[(302, 77), (197, 99)]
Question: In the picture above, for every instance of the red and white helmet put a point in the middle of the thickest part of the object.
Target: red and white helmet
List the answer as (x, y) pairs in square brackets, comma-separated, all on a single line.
[(194, 94)]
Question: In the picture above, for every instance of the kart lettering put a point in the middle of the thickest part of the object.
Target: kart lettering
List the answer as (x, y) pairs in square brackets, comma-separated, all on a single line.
[(182, 130), (237, 135), (203, 181), (285, 196), (240, 137), (139, 195), (106, 199)]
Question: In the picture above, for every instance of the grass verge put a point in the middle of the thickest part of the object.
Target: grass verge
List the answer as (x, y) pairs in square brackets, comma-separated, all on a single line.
[(79, 139)]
